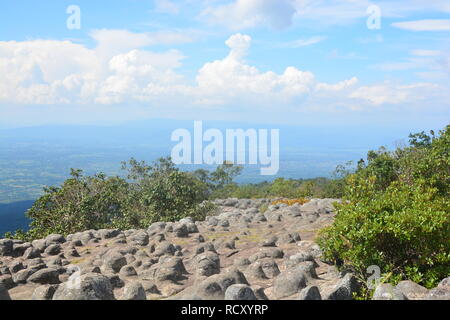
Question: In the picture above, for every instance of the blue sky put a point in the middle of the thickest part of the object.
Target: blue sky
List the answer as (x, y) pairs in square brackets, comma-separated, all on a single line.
[(289, 61)]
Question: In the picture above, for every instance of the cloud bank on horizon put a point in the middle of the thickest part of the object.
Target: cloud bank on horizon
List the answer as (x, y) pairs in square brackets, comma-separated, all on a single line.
[(274, 59)]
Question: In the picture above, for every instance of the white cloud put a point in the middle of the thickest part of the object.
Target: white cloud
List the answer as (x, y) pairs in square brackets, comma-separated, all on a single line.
[(279, 14), (425, 53), (424, 25), (303, 42), (242, 14), (64, 73), (389, 93), (166, 6)]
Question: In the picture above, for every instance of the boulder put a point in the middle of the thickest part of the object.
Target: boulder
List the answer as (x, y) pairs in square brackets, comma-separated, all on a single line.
[(7, 281), (45, 276), (140, 238), (441, 292), (207, 264), (128, 271), (310, 293), (6, 247), (54, 239), (53, 249), (412, 290), (44, 292), (386, 291), (113, 260), (4, 295), (239, 292), (133, 291), (288, 283), (91, 286), (344, 289), (32, 253)]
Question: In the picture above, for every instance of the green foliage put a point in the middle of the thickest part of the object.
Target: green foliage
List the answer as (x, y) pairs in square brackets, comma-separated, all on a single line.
[(150, 193), (285, 188), (395, 213)]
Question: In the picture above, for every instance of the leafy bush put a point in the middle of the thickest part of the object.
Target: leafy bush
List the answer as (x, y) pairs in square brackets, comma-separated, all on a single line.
[(395, 213), (149, 193)]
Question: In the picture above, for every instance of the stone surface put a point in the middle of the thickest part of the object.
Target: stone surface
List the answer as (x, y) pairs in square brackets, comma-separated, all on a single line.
[(310, 293), (133, 291), (92, 286), (386, 291), (344, 289), (4, 295), (238, 252), (239, 292)]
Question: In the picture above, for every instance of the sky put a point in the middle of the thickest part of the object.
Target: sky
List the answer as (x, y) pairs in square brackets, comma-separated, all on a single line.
[(315, 62)]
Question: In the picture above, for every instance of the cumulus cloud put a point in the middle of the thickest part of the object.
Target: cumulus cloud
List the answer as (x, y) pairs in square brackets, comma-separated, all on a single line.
[(64, 73)]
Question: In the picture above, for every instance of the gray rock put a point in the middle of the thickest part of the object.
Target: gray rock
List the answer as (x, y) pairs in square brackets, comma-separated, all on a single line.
[(128, 271), (114, 261), (140, 238), (92, 286), (308, 268), (412, 290), (108, 233), (170, 269), (299, 258), (269, 267), (274, 253), (19, 249), (45, 276), (192, 227), (310, 293), (212, 221), (7, 281), (214, 287), (441, 292), (209, 289), (255, 271), (115, 280), (164, 248), (6, 247), (39, 244), (207, 264), (386, 291), (181, 230), (44, 292), (22, 276), (239, 292), (53, 249), (156, 227), (16, 266), (270, 242), (4, 295), (32, 253), (54, 238), (344, 289), (259, 293), (241, 262), (288, 283), (133, 291)]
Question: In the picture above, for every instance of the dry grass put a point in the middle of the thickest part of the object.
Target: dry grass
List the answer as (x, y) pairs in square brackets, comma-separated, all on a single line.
[(291, 202)]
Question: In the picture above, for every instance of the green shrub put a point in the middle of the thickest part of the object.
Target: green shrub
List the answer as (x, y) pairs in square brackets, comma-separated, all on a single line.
[(149, 193), (396, 214)]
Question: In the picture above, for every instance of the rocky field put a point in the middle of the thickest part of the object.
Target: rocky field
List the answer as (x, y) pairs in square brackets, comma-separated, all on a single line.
[(242, 252)]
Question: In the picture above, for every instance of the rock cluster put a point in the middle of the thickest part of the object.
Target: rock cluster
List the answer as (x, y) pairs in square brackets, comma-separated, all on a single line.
[(248, 250)]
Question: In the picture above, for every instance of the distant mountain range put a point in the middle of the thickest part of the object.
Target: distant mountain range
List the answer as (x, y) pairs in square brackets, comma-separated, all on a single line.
[(33, 157)]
